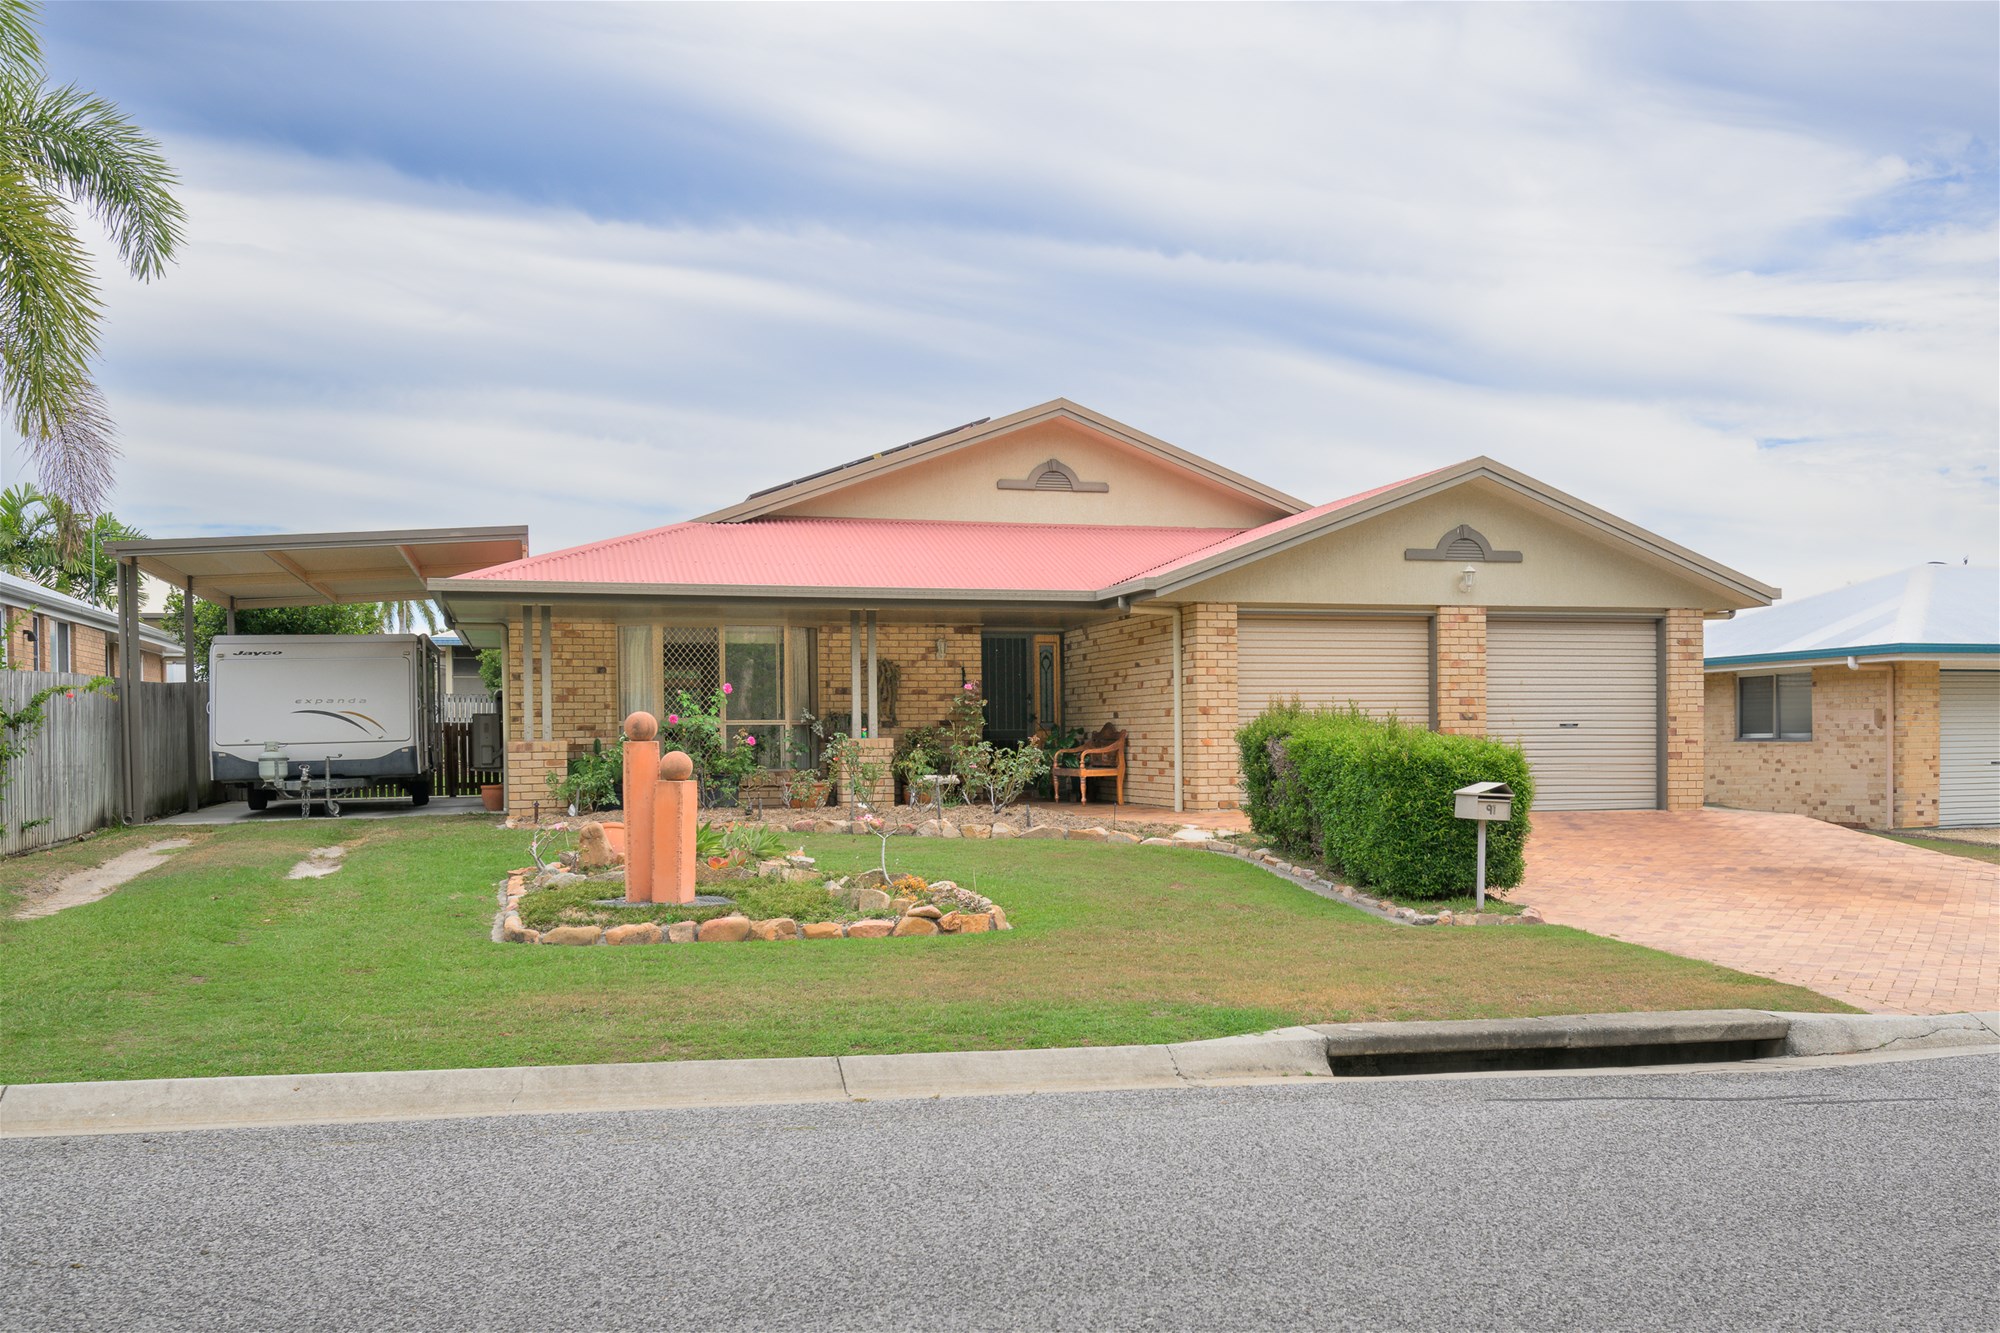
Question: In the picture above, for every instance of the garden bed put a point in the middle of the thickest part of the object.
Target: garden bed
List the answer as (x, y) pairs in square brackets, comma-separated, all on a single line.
[(777, 900)]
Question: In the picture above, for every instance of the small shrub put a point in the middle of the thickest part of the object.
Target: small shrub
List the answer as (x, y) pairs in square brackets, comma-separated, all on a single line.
[(756, 842), (1373, 799)]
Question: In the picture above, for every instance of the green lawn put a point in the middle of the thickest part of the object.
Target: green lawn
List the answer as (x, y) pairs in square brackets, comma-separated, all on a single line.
[(217, 964), (1976, 851)]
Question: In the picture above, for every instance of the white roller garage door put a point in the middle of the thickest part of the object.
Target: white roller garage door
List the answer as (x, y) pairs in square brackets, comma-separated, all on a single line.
[(1582, 699), (1379, 662), (1968, 748)]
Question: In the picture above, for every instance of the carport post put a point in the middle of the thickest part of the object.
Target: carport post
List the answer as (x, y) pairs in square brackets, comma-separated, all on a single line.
[(130, 729), (229, 617), (197, 740)]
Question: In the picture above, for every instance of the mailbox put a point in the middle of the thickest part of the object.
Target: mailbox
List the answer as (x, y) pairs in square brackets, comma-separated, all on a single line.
[(1484, 801)]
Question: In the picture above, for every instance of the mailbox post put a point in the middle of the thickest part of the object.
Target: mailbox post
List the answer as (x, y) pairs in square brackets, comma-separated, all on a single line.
[(1483, 801)]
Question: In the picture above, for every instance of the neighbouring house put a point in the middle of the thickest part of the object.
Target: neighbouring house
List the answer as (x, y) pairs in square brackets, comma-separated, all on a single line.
[(1085, 572), (1875, 705), (52, 631), (461, 666)]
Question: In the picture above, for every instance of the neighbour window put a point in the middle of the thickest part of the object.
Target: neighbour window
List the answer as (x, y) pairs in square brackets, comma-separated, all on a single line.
[(1774, 708), (59, 645)]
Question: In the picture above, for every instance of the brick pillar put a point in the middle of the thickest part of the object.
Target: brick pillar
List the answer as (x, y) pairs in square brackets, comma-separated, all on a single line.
[(529, 764), (1683, 689), (881, 793), (1461, 670), (1209, 767), (1918, 762)]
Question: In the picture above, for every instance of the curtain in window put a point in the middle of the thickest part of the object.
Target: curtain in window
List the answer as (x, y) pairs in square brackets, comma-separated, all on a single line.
[(638, 671)]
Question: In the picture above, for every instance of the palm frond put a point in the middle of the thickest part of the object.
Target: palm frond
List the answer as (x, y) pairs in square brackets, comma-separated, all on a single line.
[(48, 308), (81, 146), (20, 49)]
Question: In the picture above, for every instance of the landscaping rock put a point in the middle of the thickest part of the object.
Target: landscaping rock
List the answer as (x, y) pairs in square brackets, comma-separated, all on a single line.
[(1159, 842), (1444, 918), (930, 828), (975, 830), (829, 826), (1003, 830), (1091, 834), (873, 929), (871, 900), (803, 826), (1226, 848), (1129, 839), (1000, 918), (871, 879), (926, 911), (968, 923), (1191, 834), (915, 925), (800, 875), (822, 930), (1039, 831), (947, 829), (724, 930), (573, 935), (774, 866), (681, 932), (512, 931), (562, 879), (593, 849), (636, 932), (1531, 917), (777, 928), (1427, 918), (901, 904)]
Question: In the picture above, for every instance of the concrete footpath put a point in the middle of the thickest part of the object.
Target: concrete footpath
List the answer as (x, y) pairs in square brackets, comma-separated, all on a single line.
[(1324, 1052)]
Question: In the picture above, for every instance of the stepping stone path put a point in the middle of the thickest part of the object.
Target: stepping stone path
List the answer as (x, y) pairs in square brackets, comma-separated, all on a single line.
[(87, 886)]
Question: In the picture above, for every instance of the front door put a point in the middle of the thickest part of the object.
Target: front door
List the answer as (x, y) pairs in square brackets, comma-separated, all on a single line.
[(1022, 675)]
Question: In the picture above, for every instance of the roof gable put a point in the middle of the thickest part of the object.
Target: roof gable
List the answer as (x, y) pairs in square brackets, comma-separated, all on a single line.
[(1014, 468)]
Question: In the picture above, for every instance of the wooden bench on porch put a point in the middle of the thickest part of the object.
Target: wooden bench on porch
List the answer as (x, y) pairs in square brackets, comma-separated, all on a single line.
[(1101, 756)]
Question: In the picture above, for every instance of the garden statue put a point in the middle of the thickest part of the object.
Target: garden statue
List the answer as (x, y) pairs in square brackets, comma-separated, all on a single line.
[(672, 830), (642, 762)]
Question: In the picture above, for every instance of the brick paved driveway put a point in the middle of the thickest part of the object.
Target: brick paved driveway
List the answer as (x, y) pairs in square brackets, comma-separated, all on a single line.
[(1880, 925)]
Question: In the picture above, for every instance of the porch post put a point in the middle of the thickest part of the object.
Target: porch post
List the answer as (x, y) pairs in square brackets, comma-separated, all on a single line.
[(874, 682), (854, 672), (1180, 786), (527, 673), (548, 675), (128, 689)]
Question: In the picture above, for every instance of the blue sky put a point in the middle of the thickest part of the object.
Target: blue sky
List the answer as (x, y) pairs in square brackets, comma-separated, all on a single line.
[(1726, 270)]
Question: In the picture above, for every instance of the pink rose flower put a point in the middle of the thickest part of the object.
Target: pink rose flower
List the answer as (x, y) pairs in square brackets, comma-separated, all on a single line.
[(727, 688), (749, 740), (673, 719)]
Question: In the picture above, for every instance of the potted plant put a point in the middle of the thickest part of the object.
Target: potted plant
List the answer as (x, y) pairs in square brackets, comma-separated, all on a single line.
[(805, 789), (493, 795)]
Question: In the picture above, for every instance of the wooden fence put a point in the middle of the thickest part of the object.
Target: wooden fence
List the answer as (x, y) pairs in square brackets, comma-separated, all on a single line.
[(70, 780)]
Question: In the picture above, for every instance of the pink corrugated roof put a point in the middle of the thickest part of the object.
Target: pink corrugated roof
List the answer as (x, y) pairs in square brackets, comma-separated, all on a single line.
[(917, 554), (866, 553)]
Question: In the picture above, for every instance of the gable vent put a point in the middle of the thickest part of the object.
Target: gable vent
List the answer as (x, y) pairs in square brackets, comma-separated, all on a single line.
[(1463, 543), (1053, 475), (1052, 480), (1465, 548)]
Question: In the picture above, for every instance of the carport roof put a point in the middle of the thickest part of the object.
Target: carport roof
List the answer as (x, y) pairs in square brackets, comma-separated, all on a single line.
[(314, 568)]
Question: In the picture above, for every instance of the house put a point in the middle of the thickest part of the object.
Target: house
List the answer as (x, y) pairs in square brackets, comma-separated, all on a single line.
[(1086, 572), (461, 666), (1875, 705), (52, 631)]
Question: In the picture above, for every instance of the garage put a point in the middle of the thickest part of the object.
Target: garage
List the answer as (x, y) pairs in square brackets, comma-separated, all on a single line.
[(1968, 748), (1382, 663), (1582, 700)]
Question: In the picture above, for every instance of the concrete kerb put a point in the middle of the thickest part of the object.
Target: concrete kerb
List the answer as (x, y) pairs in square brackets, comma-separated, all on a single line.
[(153, 1105)]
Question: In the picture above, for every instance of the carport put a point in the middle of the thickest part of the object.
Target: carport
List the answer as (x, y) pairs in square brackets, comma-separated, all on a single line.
[(297, 569)]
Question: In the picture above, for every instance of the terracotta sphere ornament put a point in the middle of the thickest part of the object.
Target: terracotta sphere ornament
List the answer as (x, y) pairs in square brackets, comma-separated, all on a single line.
[(675, 766), (641, 727)]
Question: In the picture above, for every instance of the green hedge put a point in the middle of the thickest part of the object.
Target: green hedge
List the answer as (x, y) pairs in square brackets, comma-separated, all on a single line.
[(1373, 799)]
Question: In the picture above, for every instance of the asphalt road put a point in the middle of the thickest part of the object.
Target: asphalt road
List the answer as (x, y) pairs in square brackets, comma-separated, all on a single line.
[(1861, 1197)]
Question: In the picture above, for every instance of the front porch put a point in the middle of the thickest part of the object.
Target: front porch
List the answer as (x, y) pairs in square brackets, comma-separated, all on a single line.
[(575, 670)]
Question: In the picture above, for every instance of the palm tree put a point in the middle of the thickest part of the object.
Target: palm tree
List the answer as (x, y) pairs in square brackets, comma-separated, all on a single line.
[(402, 617), (62, 148)]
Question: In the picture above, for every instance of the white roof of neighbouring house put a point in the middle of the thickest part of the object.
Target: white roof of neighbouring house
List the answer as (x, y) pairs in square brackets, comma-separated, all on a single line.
[(1928, 611)]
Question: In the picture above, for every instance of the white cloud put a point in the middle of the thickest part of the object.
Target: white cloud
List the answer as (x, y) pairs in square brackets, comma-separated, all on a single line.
[(1329, 246)]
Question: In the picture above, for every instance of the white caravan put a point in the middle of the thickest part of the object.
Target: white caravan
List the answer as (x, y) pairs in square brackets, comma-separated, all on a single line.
[(306, 716)]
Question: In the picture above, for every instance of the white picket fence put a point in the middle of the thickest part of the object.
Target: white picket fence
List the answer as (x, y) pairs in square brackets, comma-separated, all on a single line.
[(69, 780), (465, 707)]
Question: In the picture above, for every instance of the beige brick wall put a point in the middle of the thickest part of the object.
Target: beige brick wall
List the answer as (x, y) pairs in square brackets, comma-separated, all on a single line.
[(1918, 756), (1841, 774), (1461, 670), (1684, 690), (1208, 651), (89, 651), (1121, 671), (529, 764), (928, 681), (584, 678)]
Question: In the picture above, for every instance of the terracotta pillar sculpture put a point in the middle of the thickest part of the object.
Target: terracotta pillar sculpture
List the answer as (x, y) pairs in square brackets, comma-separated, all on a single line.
[(672, 830), (642, 764)]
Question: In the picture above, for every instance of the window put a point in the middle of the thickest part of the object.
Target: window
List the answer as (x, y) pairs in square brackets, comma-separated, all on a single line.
[(61, 633), (1774, 708), (769, 672)]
